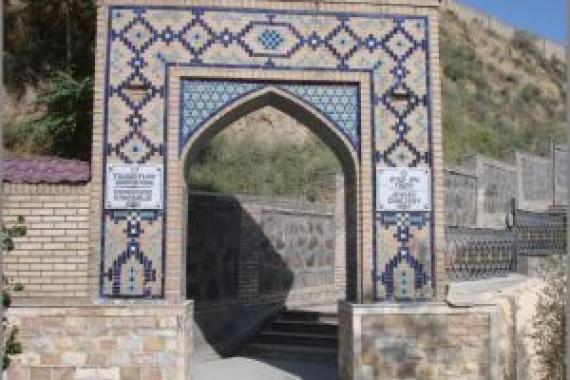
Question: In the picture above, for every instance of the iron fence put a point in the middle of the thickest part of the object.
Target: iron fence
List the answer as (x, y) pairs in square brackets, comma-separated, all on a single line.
[(540, 234), (477, 253)]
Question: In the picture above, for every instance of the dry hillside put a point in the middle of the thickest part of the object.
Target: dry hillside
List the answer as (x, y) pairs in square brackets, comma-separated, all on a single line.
[(499, 94)]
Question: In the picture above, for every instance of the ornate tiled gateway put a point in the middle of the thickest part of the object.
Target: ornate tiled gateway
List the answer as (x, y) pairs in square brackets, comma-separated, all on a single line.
[(145, 42)]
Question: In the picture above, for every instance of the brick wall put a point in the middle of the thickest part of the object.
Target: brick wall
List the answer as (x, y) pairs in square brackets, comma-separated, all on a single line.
[(51, 260)]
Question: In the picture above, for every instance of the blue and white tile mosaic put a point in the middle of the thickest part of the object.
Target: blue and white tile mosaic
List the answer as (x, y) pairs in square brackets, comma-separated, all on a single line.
[(203, 99), (144, 41)]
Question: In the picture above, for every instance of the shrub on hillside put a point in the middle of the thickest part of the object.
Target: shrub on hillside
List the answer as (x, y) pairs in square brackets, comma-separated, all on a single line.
[(524, 41), (65, 129), (247, 165), (550, 322)]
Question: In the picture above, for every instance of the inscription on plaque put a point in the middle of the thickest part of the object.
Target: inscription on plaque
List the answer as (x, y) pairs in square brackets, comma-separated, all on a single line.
[(134, 187), (403, 189)]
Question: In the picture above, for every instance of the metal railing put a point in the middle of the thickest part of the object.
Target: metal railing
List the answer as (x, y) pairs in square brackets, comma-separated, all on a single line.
[(540, 234), (477, 253)]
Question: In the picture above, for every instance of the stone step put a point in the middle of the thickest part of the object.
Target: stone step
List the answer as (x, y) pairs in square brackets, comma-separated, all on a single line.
[(291, 352), (297, 335), (308, 316), (297, 339), (304, 327)]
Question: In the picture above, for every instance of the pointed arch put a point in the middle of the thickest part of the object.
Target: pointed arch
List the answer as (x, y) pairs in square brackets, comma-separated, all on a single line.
[(321, 126)]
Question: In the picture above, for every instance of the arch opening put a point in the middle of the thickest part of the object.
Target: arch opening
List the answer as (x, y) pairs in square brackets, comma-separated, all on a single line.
[(242, 292)]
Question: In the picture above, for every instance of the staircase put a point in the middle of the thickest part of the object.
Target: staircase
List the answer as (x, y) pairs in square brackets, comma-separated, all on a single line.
[(297, 335)]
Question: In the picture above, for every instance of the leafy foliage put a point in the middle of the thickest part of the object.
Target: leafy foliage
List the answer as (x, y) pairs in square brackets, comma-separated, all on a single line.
[(42, 37), (65, 129), (53, 41), (11, 344), (525, 41), (249, 166), (550, 322)]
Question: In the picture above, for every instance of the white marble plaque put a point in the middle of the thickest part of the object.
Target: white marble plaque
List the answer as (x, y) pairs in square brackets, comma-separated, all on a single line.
[(134, 187), (403, 189)]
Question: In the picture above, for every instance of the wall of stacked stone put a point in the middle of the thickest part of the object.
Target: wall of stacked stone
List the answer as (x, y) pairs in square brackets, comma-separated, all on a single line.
[(460, 197), (535, 182), (478, 192), (112, 342), (561, 175), (271, 250), (429, 341), (51, 260)]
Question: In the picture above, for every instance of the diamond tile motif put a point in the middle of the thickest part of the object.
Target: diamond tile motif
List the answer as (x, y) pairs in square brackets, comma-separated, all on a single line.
[(400, 44), (401, 153), (343, 42), (196, 37), (135, 148), (136, 91), (270, 39), (138, 35)]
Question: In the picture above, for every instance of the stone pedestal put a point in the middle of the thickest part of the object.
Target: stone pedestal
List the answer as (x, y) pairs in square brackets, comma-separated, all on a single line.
[(419, 341), (122, 342)]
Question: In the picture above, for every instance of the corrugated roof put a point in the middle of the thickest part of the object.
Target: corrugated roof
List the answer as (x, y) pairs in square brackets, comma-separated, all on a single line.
[(41, 169)]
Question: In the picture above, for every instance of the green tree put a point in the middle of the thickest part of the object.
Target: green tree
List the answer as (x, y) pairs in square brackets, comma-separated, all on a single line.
[(43, 36)]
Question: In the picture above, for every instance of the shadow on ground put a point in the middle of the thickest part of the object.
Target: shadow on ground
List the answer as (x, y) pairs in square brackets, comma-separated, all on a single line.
[(241, 368)]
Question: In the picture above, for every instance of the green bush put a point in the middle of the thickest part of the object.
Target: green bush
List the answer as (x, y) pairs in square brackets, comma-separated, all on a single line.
[(65, 129), (549, 322), (525, 41), (528, 94), (11, 344)]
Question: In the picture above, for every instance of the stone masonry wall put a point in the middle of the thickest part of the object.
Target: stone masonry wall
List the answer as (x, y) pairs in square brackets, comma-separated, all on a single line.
[(535, 182), (429, 341), (51, 260), (479, 191), (260, 250), (460, 198), (128, 342)]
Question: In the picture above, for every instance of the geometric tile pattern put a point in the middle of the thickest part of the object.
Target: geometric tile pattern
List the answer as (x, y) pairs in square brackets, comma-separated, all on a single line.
[(144, 41), (203, 99), (405, 275)]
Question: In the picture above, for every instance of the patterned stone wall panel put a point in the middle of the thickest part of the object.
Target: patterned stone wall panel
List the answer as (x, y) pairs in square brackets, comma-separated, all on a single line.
[(299, 249), (561, 175), (498, 185), (460, 199), (456, 347)]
